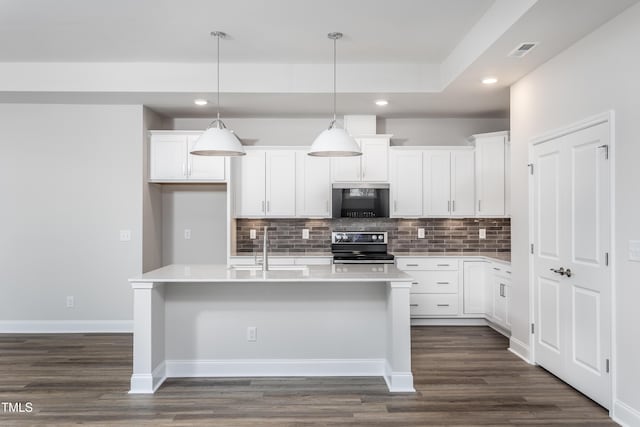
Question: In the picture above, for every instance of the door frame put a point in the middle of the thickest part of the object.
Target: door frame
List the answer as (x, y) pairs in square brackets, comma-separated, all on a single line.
[(609, 118)]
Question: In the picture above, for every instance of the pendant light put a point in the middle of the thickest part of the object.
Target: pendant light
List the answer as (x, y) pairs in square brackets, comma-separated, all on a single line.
[(334, 141), (217, 140)]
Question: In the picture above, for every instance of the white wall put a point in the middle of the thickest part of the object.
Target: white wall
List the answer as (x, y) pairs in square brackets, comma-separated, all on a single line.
[(294, 131), (599, 73), (71, 179), (203, 210)]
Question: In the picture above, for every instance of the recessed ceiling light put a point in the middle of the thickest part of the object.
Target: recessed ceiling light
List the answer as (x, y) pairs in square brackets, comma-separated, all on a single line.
[(489, 80), (200, 102), (382, 102)]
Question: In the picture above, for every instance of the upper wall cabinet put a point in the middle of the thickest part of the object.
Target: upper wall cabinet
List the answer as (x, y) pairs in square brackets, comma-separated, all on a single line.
[(313, 185), (491, 174), (406, 183), (265, 184), (372, 166), (170, 161), (448, 183)]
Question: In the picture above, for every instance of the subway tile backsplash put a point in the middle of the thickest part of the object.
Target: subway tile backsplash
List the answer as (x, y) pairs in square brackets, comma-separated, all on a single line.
[(441, 234)]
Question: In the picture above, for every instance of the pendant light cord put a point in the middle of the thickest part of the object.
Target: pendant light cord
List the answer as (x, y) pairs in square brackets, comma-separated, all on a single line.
[(218, 76), (334, 80)]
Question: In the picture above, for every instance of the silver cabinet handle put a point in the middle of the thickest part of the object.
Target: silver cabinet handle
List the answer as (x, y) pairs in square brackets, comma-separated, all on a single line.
[(496, 268), (479, 206), (263, 206), (415, 283), (413, 305), (326, 202), (268, 207), (453, 206), (448, 205), (443, 305), (442, 283), (442, 265), (412, 265)]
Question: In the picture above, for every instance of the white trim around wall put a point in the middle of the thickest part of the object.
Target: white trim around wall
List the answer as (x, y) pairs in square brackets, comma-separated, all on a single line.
[(624, 414), (65, 326)]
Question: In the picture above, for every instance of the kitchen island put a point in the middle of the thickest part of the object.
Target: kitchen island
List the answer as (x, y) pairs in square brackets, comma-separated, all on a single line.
[(298, 321)]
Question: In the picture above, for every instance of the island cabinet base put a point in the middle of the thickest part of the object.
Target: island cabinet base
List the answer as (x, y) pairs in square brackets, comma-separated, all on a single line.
[(304, 329)]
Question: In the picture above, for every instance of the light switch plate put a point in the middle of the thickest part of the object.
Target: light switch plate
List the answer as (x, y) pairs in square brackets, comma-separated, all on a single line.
[(305, 233), (420, 233), (187, 233), (252, 233), (634, 250), (125, 235), (482, 233)]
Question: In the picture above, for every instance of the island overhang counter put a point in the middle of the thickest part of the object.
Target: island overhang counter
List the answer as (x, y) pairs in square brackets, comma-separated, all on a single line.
[(324, 320)]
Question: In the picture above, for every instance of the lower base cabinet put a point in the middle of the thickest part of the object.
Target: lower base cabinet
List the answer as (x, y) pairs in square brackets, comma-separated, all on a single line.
[(459, 289)]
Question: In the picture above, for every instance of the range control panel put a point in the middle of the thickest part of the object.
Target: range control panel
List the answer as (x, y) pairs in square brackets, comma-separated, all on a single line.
[(368, 237)]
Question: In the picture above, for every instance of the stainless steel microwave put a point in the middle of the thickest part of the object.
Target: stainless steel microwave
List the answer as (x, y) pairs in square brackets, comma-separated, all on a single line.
[(360, 200)]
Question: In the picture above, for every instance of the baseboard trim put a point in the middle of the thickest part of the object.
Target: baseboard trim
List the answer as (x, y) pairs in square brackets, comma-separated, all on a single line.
[(625, 415), (276, 368), (499, 329), (449, 321), (65, 326), (148, 384), (398, 382), (520, 349)]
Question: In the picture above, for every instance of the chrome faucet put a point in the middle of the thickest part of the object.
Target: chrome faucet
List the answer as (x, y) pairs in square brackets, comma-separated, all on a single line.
[(265, 252)]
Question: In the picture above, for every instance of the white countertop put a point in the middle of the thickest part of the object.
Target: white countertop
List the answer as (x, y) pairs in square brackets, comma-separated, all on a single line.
[(504, 257), (212, 273)]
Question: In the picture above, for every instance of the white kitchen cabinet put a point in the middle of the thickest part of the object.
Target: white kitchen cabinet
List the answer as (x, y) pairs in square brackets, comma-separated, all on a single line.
[(448, 183), (406, 183), (490, 174), (265, 183), (313, 186), (474, 273), (372, 166), (170, 161), (499, 288)]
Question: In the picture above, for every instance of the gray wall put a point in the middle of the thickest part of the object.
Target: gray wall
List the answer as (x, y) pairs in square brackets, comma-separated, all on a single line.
[(201, 209), (415, 131), (597, 74), (71, 179)]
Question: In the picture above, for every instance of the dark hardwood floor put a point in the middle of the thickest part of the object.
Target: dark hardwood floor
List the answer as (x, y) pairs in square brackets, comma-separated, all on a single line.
[(463, 376)]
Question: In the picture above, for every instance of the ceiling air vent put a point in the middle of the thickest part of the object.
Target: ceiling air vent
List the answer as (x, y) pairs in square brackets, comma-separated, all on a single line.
[(522, 49)]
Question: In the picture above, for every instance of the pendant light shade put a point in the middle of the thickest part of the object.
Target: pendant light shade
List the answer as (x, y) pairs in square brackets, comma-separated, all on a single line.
[(217, 140), (334, 142)]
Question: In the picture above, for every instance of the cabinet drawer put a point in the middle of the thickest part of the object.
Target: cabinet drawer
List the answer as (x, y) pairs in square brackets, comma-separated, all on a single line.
[(435, 282), (434, 304), (410, 264)]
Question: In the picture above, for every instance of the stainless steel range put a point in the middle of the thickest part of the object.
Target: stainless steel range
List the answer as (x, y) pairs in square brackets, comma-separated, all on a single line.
[(360, 247)]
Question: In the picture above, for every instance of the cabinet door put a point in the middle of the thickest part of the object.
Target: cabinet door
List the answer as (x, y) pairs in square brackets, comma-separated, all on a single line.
[(406, 183), (474, 286), (463, 183), (500, 301), (168, 157), (490, 176), (313, 190), (249, 179), (210, 168), (436, 173), (375, 159), (281, 183), (345, 169)]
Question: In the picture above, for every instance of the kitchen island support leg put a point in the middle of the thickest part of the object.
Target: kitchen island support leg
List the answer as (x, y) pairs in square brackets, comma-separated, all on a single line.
[(398, 370), (148, 337)]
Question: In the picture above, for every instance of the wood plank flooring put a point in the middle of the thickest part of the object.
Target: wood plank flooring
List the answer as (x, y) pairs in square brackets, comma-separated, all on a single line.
[(463, 376)]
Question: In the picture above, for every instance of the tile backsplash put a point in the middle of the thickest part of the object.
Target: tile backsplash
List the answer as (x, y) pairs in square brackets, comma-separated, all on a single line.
[(441, 234)]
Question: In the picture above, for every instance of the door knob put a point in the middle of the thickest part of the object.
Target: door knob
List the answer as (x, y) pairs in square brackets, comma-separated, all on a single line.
[(559, 271), (568, 272)]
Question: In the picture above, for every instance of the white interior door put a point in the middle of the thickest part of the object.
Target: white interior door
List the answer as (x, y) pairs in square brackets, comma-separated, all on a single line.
[(571, 232)]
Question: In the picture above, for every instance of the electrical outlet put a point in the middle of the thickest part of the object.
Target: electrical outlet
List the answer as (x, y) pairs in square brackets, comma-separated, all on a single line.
[(634, 250), (420, 233), (252, 233), (482, 233), (187, 233), (125, 235), (305, 233), (252, 334), (70, 301)]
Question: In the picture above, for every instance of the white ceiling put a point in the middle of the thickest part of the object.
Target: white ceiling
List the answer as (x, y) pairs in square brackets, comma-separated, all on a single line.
[(425, 56)]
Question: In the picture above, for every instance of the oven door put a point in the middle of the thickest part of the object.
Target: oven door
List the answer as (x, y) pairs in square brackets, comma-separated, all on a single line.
[(360, 200)]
